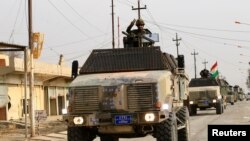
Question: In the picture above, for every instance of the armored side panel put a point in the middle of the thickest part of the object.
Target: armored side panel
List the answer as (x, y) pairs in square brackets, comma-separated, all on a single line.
[(129, 59)]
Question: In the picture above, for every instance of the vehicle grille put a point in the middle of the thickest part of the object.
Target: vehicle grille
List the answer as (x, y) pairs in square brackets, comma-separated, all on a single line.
[(202, 95), (86, 99), (140, 96)]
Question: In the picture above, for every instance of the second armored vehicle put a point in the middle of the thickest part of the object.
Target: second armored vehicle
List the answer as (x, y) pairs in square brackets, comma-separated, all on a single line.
[(205, 93)]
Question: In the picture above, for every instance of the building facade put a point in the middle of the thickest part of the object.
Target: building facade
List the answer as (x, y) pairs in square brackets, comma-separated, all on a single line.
[(50, 88)]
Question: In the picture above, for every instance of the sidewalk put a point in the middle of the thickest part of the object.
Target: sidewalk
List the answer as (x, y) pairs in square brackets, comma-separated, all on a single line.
[(52, 129), (61, 136)]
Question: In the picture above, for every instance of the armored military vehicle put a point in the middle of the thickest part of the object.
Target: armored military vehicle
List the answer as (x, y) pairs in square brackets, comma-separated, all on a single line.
[(242, 94), (231, 97), (127, 93), (205, 92), (224, 89), (239, 92)]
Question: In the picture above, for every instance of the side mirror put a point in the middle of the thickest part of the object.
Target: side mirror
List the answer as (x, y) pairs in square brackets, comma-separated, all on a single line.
[(74, 71)]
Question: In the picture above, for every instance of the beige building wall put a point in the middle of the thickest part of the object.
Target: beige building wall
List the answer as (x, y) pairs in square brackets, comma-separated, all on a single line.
[(50, 87), (15, 100)]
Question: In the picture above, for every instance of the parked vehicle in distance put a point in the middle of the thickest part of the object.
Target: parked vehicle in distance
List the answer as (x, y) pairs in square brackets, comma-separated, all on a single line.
[(247, 96)]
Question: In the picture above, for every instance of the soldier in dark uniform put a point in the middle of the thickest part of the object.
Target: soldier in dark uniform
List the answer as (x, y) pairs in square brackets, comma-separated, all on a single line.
[(140, 28), (138, 33)]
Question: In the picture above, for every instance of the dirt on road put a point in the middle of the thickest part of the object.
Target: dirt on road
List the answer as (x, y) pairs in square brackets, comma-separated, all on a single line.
[(41, 128)]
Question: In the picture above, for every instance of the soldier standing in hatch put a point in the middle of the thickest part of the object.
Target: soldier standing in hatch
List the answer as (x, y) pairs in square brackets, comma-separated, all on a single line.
[(139, 32)]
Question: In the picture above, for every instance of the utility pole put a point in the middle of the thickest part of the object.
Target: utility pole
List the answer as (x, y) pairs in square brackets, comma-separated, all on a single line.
[(118, 19), (113, 30), (139, 9), (31, 104), (139, 17), (177, 43), (195, 53), (205, 62), (25, 90)]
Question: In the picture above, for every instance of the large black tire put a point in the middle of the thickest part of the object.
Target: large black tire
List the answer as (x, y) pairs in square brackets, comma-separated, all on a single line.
[(108, 138), (219, 107), (80, 134), (183, 116), (203, 108), (167, 129), (193, 110)]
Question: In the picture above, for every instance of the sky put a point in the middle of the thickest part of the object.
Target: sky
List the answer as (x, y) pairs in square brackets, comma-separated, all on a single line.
[(74, 28)]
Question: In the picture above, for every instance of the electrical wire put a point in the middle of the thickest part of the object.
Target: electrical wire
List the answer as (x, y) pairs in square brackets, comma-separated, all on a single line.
[(82, 16), (67, 19)]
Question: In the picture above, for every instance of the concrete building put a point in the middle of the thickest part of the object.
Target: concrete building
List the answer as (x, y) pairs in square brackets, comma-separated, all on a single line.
[(50, 87)]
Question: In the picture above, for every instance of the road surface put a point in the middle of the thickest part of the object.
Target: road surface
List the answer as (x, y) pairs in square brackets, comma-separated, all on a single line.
[(234, 114)]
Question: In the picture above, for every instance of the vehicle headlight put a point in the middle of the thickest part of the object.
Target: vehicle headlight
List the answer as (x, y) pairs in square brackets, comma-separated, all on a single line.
[(78, 120), (64, 111), (214, 100), (149, 117), (191, 102), (219, 97), (165, 106)]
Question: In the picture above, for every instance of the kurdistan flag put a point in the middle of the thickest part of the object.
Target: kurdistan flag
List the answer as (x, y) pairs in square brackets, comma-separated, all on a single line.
[(214, 70)]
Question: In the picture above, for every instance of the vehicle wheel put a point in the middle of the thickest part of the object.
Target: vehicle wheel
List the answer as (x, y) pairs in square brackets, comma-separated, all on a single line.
[(203, 108), (222, 108), (193, 110), (183, 116), (219, 108), (108, 138), (167, 129), (80, 134)]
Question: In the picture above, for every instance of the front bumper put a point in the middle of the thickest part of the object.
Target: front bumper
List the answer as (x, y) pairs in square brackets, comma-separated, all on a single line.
[(103, 119)]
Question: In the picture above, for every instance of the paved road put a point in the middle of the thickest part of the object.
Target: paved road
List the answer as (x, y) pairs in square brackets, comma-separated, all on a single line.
[(234, 114)]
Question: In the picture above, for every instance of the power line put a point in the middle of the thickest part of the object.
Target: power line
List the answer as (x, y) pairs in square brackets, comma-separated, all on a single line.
[(18, 12), (204, 28), (68, 19), (82, 16), (210, 36)]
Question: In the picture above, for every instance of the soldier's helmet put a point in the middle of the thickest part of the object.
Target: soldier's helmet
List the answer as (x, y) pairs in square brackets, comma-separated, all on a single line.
[(139, 22)]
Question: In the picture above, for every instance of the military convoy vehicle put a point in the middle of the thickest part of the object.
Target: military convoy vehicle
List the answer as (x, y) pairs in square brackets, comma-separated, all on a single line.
[(247, 96), (205, 92), (127, 93), (224, 90), (232, 92), (231, 96), (239, 92)]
